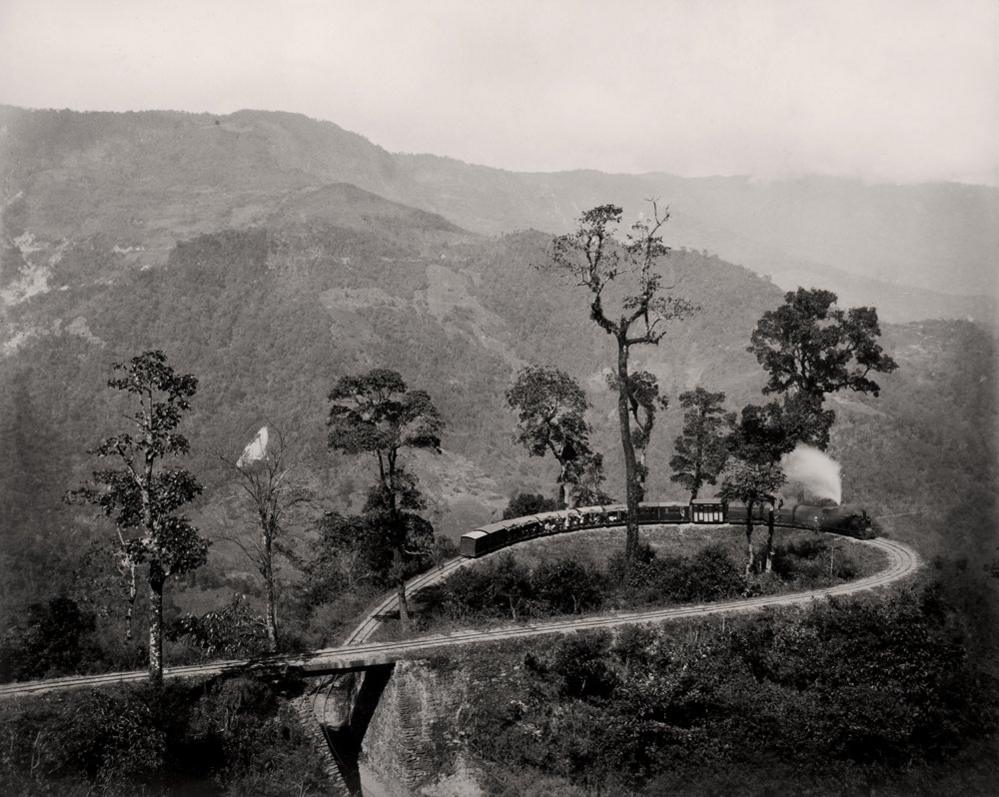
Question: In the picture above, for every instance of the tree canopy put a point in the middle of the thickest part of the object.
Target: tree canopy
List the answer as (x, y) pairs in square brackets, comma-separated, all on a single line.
[(810, 345), (551, 407), (702, 447), (375, 413)]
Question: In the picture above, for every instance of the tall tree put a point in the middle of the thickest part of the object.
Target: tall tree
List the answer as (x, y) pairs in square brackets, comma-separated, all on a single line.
[(143, 496), (810, 348), (629, 302), (375, 413), (266, 476), (702, 448), (550, 408)]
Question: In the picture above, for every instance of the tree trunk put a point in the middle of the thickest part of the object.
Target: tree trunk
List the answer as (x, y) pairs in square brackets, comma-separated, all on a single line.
[(641, 473), (401, 591), (271, 618), (750, 553), (130, 610), (698, 476), (156, 581), (768, 562), (632, 488), (561, 493), (403, 606)]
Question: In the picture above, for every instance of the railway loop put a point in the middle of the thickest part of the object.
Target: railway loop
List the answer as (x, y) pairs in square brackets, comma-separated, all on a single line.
[(357, 652)]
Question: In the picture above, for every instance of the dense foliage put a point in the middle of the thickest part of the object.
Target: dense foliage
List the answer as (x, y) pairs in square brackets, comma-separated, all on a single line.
[(810, 348), (528, 504), (55, 637), (508, 588), (551, 408), (229, 738), (843, 698), (701, 450)]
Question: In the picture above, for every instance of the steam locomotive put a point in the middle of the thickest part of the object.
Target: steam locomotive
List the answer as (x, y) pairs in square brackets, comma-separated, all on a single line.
[(851, 521)]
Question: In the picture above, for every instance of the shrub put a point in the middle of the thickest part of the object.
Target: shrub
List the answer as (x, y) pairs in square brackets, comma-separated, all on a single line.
[(708, 575), (813, 561), (236, 736), (55, 640), (230, 631), (565, 586), (499, 588), (711, 575), (844, 697)]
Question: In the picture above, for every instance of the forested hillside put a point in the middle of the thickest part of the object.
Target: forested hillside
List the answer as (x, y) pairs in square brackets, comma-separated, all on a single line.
[(270, 317), (234, 245)]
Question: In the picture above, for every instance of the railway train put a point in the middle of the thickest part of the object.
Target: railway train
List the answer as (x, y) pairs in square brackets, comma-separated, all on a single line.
[(849, 520)]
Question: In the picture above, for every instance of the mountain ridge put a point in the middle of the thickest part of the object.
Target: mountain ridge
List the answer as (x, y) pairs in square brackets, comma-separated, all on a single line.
[(936, 242)]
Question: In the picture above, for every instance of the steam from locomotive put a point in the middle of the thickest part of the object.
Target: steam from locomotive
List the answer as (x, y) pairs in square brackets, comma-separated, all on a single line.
[(812, 476)]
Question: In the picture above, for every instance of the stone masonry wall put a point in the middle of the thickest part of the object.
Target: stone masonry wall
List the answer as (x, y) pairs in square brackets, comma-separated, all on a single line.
[(407, 743)]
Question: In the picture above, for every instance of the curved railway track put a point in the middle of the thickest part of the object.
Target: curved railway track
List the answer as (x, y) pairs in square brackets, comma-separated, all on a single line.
[(357, 652)]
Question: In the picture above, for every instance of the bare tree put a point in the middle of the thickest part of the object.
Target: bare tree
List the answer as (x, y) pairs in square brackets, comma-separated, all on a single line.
[(266, 476)]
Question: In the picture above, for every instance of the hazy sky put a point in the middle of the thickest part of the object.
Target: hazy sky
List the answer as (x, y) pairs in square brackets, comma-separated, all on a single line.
[(879, 89)]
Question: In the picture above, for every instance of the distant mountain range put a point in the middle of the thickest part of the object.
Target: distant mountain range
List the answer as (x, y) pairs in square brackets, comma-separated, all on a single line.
[(145, 179)]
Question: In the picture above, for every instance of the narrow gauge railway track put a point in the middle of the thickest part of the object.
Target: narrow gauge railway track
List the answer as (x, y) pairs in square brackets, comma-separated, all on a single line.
[(902, 562), (372, 621)]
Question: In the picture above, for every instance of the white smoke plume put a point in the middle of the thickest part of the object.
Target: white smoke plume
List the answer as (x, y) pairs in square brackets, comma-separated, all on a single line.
[(813, 472)]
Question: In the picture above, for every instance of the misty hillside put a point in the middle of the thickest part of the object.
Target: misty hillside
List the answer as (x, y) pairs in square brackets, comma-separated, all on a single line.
[(129, 184)]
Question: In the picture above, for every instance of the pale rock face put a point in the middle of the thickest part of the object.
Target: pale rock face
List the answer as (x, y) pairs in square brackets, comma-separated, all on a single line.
[(255, 452)]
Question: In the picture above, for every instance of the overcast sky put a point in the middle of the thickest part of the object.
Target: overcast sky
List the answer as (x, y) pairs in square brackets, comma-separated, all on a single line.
[(878, 89)]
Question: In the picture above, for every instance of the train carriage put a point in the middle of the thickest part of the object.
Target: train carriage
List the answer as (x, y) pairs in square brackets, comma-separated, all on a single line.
[(851, 521), (707, 510)]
